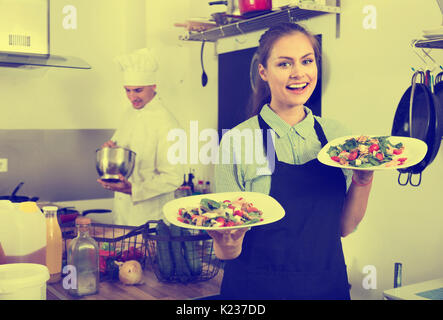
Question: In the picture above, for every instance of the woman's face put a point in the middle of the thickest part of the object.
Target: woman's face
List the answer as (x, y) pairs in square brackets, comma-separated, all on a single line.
[(140, 95), (291, 71)]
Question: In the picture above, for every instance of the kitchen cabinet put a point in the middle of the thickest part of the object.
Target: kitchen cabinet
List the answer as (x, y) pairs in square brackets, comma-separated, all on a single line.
[(152, 289), (302, 11)]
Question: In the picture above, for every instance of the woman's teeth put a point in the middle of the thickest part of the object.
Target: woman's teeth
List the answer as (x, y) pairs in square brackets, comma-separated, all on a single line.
[(297, 86)]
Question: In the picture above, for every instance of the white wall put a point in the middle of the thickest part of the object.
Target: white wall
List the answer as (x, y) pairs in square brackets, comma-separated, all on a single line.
[(180, 70)]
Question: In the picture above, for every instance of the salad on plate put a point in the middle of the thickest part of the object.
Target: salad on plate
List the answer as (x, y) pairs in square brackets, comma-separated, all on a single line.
[(227, 213), (366, 151)]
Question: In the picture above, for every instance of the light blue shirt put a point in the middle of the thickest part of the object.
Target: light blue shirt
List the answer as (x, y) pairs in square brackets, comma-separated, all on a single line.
[(242, 162)]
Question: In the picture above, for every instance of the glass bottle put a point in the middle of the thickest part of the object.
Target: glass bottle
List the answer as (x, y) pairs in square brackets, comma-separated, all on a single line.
[(83, 255), (54, 244)]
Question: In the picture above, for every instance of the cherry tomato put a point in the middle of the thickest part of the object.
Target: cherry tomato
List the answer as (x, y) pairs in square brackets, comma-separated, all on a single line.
[(374, 147), (353, 155), (379, 156)]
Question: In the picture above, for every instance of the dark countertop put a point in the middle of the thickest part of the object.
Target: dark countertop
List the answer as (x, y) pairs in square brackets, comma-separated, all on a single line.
[(151, 289)]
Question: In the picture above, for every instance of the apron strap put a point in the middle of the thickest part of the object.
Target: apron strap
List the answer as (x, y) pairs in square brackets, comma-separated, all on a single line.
[(320, 133)]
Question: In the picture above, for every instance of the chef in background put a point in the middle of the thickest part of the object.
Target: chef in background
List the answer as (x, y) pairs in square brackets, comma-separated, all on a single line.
[(143, 129)]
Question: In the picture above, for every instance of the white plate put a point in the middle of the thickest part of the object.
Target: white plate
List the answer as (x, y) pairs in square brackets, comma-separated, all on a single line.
[(415, 150), (272, 210)]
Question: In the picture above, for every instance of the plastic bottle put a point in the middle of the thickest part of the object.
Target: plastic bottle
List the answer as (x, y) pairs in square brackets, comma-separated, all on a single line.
[(2, 255), (200, 187), (83, 254), (54, 246), (207, 187), (22, 233), (397, 274)]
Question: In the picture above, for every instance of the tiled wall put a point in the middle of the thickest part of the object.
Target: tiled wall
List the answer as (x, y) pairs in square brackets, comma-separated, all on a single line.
[(55, 165)]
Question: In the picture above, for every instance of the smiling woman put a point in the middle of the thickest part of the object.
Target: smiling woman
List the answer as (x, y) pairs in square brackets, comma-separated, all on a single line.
[(299, 256)]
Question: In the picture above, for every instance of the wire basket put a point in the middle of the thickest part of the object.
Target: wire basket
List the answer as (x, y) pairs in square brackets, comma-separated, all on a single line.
[(115, 242), (181, 255)]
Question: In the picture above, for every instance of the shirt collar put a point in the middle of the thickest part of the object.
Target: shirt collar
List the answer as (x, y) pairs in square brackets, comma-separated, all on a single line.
[(281, 128)]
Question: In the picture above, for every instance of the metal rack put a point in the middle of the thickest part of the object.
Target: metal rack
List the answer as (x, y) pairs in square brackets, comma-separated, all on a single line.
[(285, 14), (430, 43)]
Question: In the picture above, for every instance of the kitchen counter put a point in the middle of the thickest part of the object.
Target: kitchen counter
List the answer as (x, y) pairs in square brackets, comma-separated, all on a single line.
[(152, 289), (427, 290)]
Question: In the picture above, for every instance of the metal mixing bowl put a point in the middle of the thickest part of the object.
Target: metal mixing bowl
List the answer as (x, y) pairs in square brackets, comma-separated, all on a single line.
[(110, 162)]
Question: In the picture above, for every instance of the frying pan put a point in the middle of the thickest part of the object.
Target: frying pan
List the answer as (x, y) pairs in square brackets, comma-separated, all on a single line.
[(419, 116), (17, 199)]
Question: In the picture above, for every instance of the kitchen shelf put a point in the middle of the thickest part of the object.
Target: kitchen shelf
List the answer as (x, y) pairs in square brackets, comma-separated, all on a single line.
[(284, 14)]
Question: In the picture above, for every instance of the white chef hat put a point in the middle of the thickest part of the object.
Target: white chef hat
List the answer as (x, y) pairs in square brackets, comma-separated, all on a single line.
[(139, 68)]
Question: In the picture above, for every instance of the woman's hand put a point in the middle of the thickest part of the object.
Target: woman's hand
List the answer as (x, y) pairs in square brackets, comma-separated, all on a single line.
[(123, 185), (228, 243), (109, 144)]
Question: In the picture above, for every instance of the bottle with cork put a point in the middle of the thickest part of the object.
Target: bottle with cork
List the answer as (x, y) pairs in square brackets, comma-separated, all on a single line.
[(83, 255)]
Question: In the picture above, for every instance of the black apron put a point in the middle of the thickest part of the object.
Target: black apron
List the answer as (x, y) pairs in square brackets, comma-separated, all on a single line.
[(300, 256)]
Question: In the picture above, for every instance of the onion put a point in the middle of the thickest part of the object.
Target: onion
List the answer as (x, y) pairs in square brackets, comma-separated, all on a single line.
[(130, 272)]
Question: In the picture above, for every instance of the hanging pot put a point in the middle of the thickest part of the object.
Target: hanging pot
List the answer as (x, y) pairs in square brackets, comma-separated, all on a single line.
[(418, 115), (252, 8)]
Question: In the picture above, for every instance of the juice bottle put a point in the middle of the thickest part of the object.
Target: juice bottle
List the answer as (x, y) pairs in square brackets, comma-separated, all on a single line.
[(54, 244)]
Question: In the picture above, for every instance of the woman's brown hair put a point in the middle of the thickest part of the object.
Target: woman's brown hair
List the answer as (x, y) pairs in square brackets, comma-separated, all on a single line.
[(262, 94)]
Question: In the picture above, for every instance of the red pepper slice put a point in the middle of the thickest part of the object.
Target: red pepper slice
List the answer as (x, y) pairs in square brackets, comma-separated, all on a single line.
[(238, 213), (336, 158), (397, 151)]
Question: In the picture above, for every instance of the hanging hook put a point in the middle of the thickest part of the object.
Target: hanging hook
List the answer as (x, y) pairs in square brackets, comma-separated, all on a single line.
[(290, 17), (431, 65), (241, 32)]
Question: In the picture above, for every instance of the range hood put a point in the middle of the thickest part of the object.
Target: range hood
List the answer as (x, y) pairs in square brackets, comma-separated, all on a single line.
[(24, 36)]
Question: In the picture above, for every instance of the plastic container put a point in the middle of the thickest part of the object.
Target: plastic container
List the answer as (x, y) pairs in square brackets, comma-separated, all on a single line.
[(23, 281), (22, 233)]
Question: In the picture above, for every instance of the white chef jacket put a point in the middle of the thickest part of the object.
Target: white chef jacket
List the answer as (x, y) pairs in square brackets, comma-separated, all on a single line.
[(154, 178)]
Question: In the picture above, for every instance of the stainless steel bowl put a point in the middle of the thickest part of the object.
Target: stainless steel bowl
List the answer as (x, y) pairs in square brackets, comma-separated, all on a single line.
[(110, 162)]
